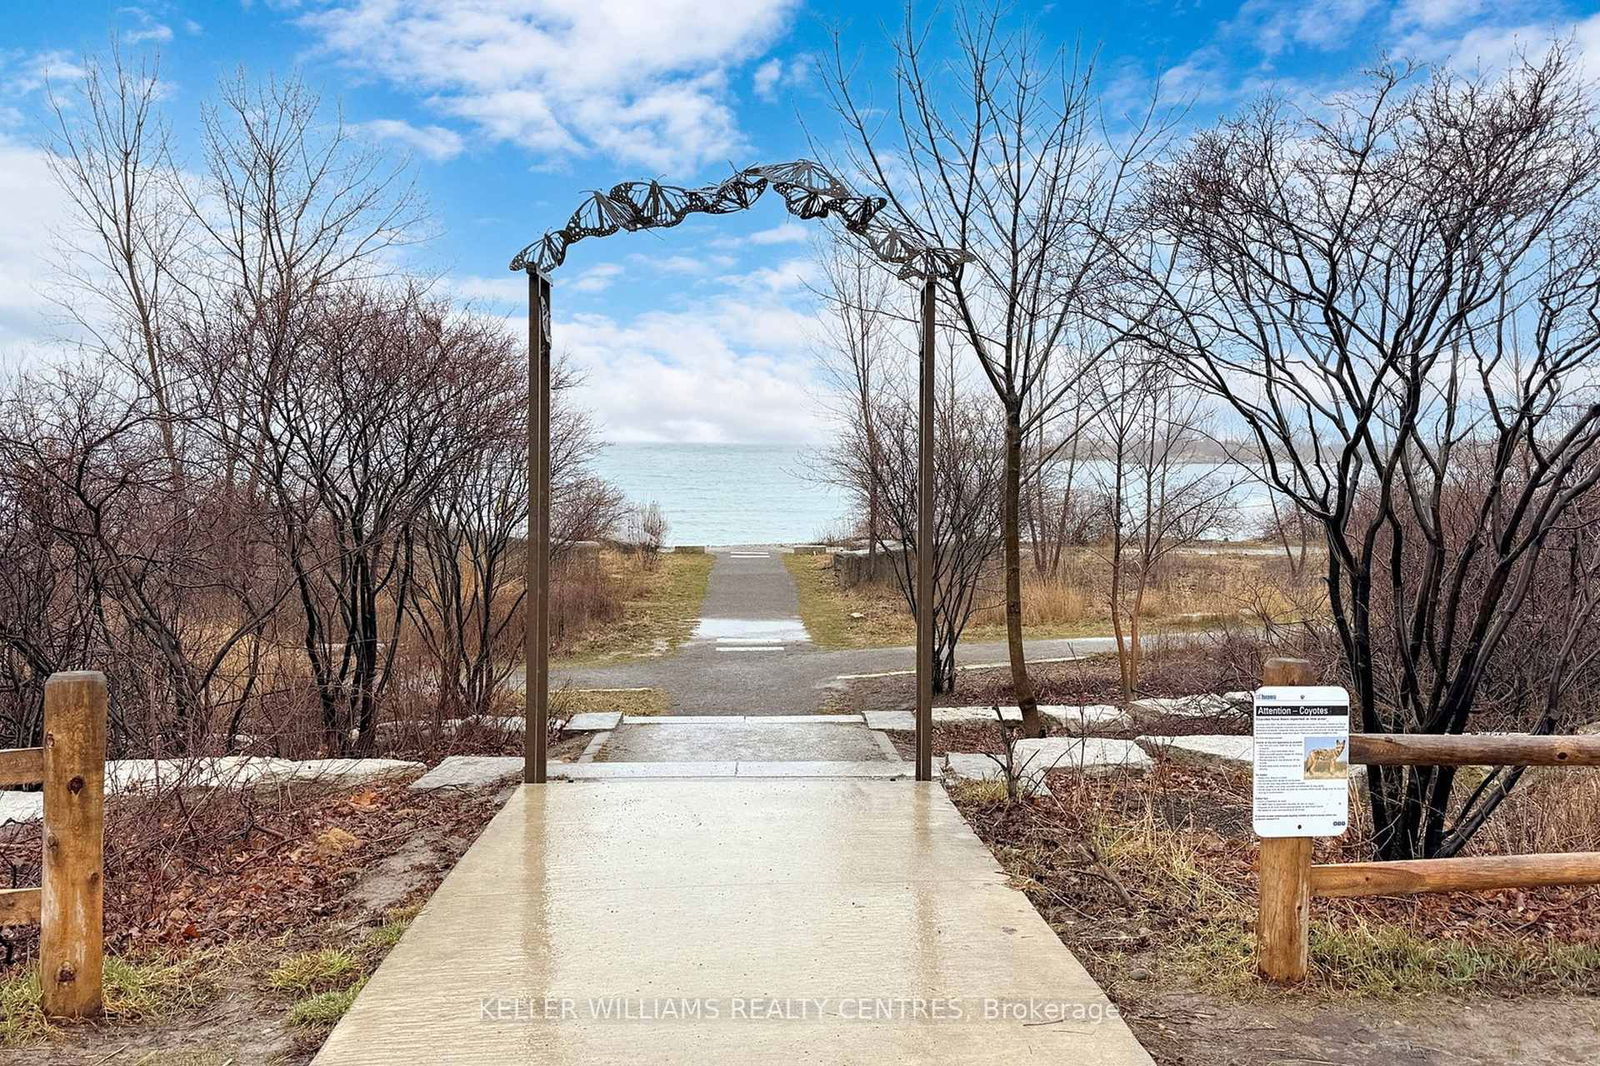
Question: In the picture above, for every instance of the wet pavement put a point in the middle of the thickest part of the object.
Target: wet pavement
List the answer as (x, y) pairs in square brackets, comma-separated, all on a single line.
[(669, 740), (740, 920)]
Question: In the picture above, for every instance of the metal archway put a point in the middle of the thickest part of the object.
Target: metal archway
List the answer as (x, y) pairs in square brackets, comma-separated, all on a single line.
[(809, 191)]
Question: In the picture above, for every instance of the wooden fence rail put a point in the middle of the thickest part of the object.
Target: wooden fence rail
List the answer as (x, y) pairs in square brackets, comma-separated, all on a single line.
[(1289, 880), (69, 904)]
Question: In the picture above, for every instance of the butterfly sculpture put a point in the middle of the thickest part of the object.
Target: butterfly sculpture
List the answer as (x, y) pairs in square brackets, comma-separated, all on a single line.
[(809, 190)]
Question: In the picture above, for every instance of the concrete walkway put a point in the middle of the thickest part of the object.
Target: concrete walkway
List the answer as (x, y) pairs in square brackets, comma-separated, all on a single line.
[(742, 921)]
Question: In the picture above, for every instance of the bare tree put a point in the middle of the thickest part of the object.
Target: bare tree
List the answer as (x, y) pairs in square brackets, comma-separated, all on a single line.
[(1395, 294), (266, 442), (110, 154), (288, 205), (1000, 152), (1159, 493), (968, 469), (861, 334), (1059, 509), (395, 398)]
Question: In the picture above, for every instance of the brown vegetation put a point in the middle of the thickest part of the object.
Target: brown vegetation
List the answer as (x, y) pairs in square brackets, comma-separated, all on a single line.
[(280, 497), (1149, 878)]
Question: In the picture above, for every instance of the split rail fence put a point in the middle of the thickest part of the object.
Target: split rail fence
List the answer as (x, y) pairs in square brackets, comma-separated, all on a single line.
[(1290, 881), (68, 905)]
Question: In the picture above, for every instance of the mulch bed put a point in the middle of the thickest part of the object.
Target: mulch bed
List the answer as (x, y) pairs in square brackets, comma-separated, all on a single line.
[(1113, 913), (203, 868)]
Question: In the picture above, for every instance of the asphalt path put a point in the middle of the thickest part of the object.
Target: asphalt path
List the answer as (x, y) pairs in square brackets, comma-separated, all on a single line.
[(750, 653)]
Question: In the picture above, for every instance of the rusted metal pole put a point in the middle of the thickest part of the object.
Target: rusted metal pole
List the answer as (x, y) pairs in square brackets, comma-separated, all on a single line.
[(925, 547), (72, 892), (536, 628), (1283, 925)]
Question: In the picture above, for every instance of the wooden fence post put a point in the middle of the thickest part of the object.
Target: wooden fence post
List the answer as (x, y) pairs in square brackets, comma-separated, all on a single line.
[(71, 916), (1283, 925)]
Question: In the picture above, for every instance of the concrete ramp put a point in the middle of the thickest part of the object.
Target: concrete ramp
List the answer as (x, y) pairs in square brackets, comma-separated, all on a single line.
[(734, 920)]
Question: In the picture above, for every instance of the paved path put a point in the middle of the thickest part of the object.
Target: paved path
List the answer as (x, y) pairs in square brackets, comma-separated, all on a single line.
[(742, 921), (750, 653)]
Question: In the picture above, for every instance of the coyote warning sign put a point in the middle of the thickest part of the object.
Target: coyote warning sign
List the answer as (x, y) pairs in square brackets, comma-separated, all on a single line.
[(1302, 772)]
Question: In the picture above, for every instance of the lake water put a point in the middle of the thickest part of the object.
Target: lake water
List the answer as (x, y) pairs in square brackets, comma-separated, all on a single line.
[(720, 494)]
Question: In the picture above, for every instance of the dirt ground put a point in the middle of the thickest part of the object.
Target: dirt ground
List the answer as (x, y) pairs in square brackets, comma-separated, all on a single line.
[(224, 886), (1149, 879), (1193, 1029)]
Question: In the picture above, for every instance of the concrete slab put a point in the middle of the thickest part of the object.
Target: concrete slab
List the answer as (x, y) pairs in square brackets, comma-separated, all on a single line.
[(690, 902), (124, 776), (805, 719), (752, 719), (609, 771), (1088, 754), (346, 769), (979, 767), (593, 722), (470, 771), (1226, 748), (741, 740), (767, 630), (144, 775), (681, 719), (21, 807), (1197, 706), (879, 768), (1075, 718)]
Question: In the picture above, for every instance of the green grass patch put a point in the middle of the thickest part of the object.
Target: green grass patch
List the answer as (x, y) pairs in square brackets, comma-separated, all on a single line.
[(324, 1009), (1351, 956), (323, 970), (827, 610), (876, 615), (134, 990), (387, 935)]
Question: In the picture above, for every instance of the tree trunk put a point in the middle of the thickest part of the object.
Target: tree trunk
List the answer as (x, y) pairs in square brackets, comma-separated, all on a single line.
[(1011, 544)]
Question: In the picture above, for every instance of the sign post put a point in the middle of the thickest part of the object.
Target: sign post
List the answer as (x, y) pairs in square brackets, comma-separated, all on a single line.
[(1301, 790), (1302, 768)]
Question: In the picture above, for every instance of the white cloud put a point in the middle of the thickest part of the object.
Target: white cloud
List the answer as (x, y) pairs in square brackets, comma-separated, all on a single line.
[(770, 78), (34, 209), (145, 28), (643, 81), (494, 291), (791, 275), (597, 278), (783, 233), (766, 77), (1248, 51), (681, 264), (434, 142), (735, 370), (30, 73), (1496, 47)]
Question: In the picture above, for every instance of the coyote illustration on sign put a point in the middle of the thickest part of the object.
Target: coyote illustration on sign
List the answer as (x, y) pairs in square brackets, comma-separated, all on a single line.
[(1322, 758)]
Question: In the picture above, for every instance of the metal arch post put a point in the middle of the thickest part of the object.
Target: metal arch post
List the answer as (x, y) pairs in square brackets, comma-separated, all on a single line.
[(925, 545), (536, 601)]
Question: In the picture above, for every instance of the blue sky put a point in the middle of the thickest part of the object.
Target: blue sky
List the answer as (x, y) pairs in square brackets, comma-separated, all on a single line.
[(510, 111)]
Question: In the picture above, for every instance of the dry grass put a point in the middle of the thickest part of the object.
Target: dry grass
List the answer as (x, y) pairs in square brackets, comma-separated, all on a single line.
[(570, 701), (1156, 872), (625, 605), (1554, 809), (1194, 589)]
